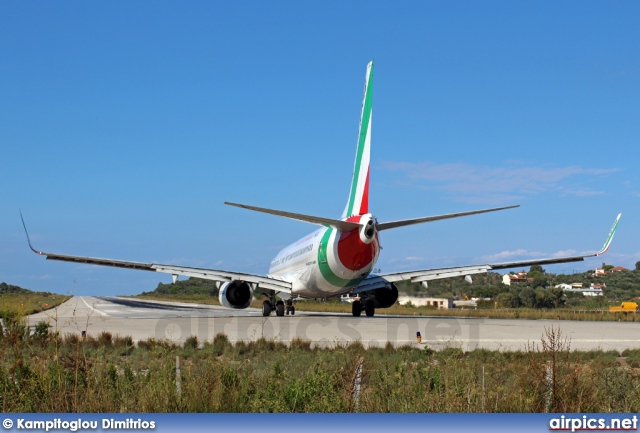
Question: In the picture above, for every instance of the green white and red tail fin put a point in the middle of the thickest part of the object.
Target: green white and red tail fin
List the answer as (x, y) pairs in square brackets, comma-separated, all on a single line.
[(358, 203)]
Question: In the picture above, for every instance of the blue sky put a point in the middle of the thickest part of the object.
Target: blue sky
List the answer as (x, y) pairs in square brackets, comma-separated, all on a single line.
[(126, 125)]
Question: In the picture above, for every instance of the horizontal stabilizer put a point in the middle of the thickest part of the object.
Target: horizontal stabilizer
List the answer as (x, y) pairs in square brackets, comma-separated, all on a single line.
[(402, 223), (343, 225)]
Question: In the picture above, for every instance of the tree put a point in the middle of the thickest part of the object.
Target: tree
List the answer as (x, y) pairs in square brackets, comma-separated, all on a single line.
[(508, 299), (543, 298), (557, 297), (638, 266), (527, 297), (540, 281), (537, 268)]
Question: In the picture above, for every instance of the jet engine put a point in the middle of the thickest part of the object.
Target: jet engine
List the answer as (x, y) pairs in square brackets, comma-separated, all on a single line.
[(236, 294), (383, 297), (367, 228)]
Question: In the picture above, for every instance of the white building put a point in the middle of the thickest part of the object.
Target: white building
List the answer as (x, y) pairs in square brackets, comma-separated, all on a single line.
[(520, 277), (439, 303), (594, 290)]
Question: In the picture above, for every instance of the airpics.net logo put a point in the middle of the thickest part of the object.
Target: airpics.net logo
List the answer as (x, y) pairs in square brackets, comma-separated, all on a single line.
[(588, 423), (79, 424)]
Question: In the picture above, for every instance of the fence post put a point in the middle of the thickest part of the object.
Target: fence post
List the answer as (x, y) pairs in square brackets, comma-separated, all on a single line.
[(357, 380), (550, 385), (178, 376)]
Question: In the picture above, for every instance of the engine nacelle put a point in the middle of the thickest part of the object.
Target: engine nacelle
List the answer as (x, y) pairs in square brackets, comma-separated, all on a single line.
[(236, 294), (382, 297)]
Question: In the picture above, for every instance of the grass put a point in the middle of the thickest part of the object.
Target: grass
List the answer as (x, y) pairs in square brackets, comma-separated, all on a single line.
[(43, 372), (21, 304)]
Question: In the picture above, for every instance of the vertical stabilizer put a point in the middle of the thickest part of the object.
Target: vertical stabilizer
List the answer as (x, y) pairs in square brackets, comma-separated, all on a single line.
[(358, 203)]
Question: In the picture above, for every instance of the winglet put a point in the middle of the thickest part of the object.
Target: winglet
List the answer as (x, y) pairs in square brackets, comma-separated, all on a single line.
[(607, 243), (27, 233)]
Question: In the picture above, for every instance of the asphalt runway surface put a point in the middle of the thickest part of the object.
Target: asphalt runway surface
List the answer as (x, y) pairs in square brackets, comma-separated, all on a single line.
[(177, 321)]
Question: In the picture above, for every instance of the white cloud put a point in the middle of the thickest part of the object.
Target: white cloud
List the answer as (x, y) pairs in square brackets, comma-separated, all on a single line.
[(413, 259), (564, 253), (30, 277), (478, 183), (508, 255), (581, 192)]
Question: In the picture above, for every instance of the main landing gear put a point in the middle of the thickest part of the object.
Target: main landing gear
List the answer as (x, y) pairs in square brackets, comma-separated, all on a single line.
[(268, 306), (369, 308)]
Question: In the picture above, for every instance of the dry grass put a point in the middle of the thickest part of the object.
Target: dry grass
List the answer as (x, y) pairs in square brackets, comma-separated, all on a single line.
[(21, 304), (40, 372)]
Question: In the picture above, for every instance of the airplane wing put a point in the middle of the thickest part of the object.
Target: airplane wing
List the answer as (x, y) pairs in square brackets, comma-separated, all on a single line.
[(436, 274), (264, 281)]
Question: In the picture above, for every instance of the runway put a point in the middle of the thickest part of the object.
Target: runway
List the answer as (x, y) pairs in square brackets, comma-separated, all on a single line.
[(177, 321)]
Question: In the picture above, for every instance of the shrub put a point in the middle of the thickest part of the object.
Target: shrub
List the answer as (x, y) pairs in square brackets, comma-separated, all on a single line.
[(299, 344), (220, 344), (148, 344), (105, 338), (191, 343), (41, 332), (71, 339)]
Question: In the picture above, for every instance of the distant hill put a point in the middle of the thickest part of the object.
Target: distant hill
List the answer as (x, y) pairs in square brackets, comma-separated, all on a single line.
[(484, 286), (8, 288), (192, 286), (618, 286), (15, 300)]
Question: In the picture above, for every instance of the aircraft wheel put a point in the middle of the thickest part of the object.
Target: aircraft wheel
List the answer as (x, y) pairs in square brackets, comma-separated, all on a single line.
[(369, 308), (293, 310), (356, 308), (266, 308), (280, 308)]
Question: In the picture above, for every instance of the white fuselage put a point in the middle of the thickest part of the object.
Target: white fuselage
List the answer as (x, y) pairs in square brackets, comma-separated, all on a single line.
[(327, 262)]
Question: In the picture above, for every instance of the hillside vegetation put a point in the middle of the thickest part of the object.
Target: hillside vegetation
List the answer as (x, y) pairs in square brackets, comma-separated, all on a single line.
[(16, 301), (537, 292)]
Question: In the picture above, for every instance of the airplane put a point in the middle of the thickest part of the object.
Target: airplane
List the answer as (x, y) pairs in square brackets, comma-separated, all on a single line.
[(336, 259)]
